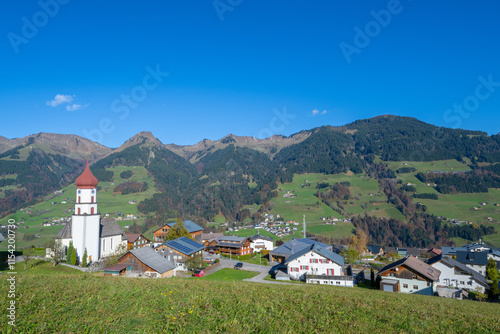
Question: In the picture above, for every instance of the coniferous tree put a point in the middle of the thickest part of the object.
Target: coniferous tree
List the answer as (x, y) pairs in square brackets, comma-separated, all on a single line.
[(372, 277), (84, 258), (69, 252), (73, 256)]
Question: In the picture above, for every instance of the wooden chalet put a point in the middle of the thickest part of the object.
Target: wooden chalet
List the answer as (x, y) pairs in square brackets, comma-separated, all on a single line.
[(409, 275), (145, 261), (231, 245), (179, 250), (194, 229), (137, 240)]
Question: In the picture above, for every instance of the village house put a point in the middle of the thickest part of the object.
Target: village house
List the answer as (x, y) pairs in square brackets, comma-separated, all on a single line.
[(319, 265), (145, 261), (476, 261), (374, 250), (194, 229), (179, 250), (137, 240), (409, 275), (283, 252), (206, 238), (457, 275), (231, 245), (260, 242)]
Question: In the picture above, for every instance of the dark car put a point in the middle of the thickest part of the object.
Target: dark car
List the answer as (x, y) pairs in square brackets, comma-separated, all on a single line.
[(199, 273), (238, 265)]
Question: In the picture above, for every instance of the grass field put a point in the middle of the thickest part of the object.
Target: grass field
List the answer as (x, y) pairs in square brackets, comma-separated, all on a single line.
[(250, 232), (227, 274), (108, 202), (84, 303)]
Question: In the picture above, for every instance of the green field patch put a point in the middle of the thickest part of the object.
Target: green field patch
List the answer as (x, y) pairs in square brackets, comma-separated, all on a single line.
[(228, 274), (250, 232)]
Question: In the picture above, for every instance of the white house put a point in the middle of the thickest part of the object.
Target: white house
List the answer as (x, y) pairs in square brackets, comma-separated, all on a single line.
[(259, 242), (409, 275), (87, 231), (457, 275), (476, 261), (316, 264)]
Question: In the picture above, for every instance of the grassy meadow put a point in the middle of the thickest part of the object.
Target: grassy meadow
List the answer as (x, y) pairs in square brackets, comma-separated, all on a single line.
[(55, 300)]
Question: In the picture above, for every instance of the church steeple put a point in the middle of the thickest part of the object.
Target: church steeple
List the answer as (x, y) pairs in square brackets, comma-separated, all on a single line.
[(86, 180)]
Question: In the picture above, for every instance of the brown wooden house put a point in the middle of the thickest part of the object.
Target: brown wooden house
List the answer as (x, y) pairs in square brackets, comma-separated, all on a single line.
[(137, 240), (194, 229), (231, 245), (145, 261)]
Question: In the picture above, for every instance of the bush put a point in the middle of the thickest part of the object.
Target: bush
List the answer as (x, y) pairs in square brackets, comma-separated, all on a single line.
[(126, 174)]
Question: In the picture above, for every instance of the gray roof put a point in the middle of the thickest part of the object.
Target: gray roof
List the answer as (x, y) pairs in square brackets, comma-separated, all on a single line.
[(65, 232), (296, 245), (259, 236), (374, 249), (453, 263), (230, 241), (189, 225), (183, 245), (109, 227), (152, 259), (472, 258), (416, 265), (321, 251)]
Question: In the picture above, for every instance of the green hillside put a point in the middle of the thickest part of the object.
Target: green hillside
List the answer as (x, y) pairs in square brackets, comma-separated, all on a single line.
[(86, 303), (109, 202)]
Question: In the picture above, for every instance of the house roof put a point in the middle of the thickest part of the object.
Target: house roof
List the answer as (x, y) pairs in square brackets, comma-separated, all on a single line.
[(326, 253), (263, 237), (65, 232), (131, 237), (453, 263), (414, 264), (295, 245), (473, 258), (374, 249), (152, 259), (211, 236), (231, 241), (413, 251), (183, 245), (109, 227), (190, 226), (436, 251), (391, 250), (117, 267)]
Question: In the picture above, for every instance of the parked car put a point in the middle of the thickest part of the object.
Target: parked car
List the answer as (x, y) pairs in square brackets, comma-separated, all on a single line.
[(199, 273), (208, 259), (238, 265)]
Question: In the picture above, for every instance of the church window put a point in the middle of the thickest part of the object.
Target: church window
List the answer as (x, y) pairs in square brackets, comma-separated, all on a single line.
[(92, 200), (104, 245), (79, 199), (92, 210), (79, 211)]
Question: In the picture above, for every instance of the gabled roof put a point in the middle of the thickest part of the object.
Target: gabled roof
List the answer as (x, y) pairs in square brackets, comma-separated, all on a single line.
[(374, 249), (211, 236), (453, 263), (109, 227), (259, 236), (326, 253), (231, 241), (117, 267), (416, 265), (472, 258), (190, 226), (152, 259), (132, 237), (183, 245), (65, 232), (450, 250), (295, 245)]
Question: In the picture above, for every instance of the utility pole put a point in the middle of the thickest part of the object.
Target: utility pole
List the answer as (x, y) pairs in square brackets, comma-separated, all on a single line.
[(304, 223)]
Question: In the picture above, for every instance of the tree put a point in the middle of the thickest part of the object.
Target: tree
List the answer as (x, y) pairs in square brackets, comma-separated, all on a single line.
[(491, 270), (69, 252), (479, 294), (494, 291), (177, 231), (73, 256), (113, 258), (359, 241), (194, 262), (56, 250), (28, 255), (84, 258)]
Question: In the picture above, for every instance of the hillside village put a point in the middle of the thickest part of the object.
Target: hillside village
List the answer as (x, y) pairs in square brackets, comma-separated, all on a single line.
[(181, 248)]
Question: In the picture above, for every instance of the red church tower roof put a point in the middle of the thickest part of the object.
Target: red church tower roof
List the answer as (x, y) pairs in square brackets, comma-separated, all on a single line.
[(87, 180)]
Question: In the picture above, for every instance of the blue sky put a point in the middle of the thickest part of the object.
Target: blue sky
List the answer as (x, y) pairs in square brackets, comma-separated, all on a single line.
[(98, 69)]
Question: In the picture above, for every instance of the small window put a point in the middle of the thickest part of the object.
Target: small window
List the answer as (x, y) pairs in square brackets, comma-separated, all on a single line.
[(414, 276), (415, 287), (405, 286), (462, 282)]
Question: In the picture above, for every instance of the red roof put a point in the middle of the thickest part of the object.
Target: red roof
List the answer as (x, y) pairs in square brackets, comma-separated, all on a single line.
[(87, 180)]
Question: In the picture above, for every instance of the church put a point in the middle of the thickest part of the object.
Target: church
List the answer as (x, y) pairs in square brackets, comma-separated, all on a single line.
[(87, 230)]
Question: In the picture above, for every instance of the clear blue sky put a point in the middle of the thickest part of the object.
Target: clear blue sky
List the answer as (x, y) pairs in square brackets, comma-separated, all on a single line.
[(233, 65)]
